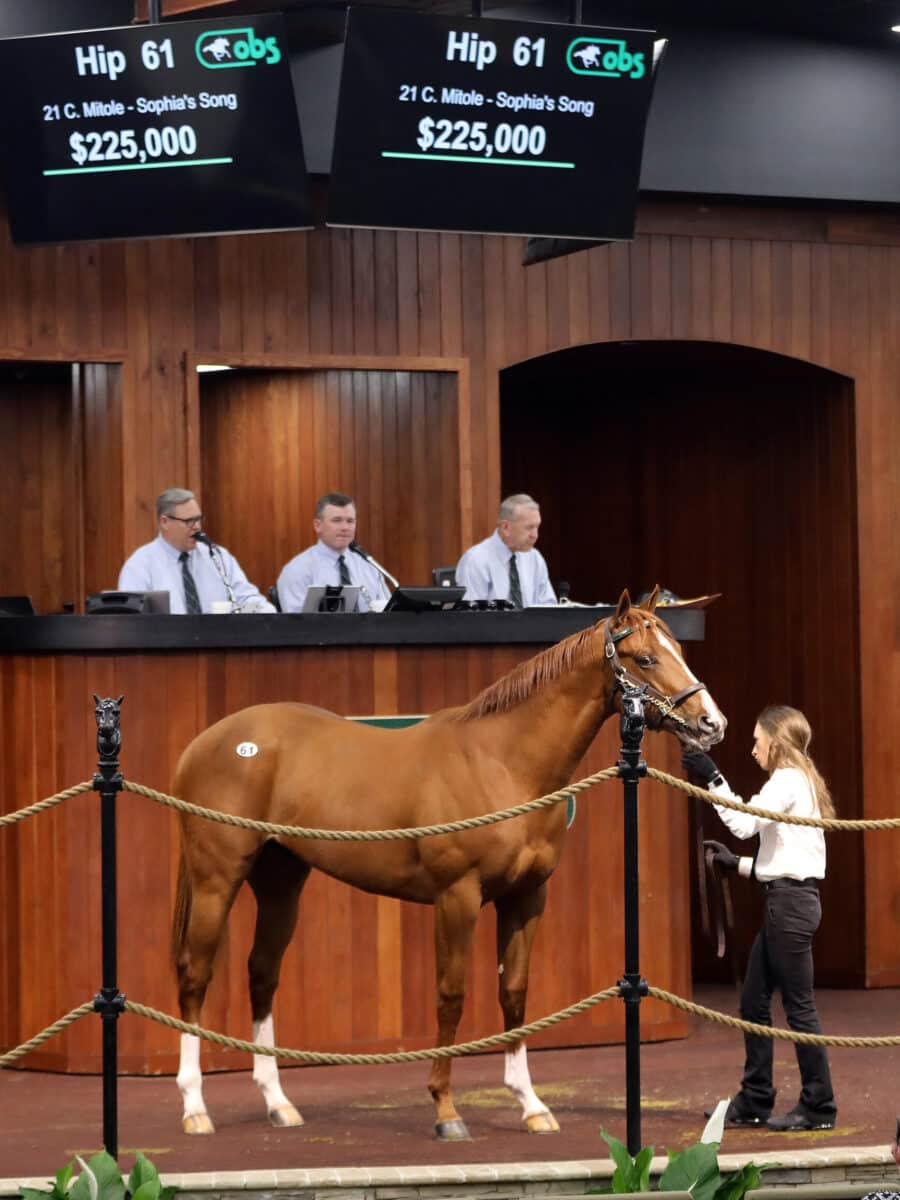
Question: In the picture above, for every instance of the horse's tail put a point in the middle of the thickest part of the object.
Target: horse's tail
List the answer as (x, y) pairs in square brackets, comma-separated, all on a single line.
[(182, 910)]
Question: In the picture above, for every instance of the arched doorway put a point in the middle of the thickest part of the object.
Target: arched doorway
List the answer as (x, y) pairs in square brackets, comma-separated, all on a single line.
[(715, 468)]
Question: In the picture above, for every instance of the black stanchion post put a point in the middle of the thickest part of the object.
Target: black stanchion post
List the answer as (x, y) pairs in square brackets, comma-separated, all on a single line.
[(632, 987), (109, 1001)]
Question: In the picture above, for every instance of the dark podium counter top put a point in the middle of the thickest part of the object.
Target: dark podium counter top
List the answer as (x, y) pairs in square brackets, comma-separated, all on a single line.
[(147, 632)]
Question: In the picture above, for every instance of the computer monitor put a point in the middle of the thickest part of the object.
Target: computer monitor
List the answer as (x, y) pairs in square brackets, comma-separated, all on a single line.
[(424, 599), (336, 598), (16, 606)]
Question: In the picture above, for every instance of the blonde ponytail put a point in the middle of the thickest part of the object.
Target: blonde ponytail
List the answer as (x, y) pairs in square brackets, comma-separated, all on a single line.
[(790, 735)]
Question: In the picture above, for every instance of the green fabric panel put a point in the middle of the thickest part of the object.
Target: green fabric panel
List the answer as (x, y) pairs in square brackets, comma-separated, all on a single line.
[(389, 722)]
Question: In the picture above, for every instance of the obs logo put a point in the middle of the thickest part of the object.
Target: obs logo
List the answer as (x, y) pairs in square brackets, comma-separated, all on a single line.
[(605, 57), (235, 48)]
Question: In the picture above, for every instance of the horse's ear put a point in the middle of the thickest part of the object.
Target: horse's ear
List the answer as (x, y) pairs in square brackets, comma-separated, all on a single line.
[(652, 600), (624, 606)]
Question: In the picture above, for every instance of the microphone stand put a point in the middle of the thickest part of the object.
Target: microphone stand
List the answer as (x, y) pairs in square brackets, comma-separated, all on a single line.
[(357, 549), (217, 562)]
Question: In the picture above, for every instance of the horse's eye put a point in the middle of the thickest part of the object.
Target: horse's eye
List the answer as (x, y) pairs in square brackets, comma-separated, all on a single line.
[(645, 660)]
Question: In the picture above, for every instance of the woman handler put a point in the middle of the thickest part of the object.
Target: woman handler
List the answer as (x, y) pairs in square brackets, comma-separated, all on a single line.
[(789, 863)]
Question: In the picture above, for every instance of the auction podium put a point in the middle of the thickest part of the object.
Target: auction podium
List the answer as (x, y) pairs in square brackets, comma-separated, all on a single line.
[(359, 975)]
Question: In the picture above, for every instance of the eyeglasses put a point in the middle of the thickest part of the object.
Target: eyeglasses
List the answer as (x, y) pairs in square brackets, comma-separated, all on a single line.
[(198, 520)]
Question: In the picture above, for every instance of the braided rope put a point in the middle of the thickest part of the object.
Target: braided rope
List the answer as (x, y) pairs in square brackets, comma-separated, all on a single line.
[(460, 1049), (784, 1035), (781, 818), (42, 805), (51, 1031), (312, 1056), (374, 835)]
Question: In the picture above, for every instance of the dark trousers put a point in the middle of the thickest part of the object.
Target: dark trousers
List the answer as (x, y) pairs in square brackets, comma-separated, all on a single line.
[(781, 959)]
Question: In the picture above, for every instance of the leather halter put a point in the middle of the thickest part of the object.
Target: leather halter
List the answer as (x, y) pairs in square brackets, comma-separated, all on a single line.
[(665, 704)]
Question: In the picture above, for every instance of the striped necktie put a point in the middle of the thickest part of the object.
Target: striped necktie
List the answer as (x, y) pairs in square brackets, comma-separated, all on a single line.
[(344, 571), (515, 586), (191, 599)]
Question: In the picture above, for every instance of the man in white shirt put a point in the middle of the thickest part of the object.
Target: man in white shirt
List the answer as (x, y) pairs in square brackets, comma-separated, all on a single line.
[(331, 561), (506, 566), (194, 576)]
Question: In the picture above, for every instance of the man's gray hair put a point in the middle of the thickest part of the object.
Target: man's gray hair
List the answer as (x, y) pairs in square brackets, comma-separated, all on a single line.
[(168, 501), (511, 503)]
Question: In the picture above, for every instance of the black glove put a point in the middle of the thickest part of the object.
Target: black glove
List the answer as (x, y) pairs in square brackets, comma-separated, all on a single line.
[(695, 762), (722, 856)]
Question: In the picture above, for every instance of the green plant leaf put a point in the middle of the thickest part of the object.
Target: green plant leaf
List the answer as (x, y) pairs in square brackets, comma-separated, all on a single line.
[(148, 1190), (142, 1172), (631, 1174), (694, 1170), (736, 1185)]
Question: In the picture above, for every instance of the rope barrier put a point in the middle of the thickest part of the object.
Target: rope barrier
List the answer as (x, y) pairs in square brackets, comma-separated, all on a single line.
[(421, 831), (42, 805), (458, 1050), (784, 1035), (44, 1036), (461, 1049), (831, 823), (374, 835)]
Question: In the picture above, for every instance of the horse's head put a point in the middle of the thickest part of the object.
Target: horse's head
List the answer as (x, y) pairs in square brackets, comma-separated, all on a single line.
[(642, 651)]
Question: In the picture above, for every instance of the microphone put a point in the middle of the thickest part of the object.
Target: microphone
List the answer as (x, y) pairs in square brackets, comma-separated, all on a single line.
[(357, 549), (206, 540), (564, 591)]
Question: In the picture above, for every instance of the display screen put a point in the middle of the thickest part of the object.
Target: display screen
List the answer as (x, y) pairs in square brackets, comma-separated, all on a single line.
[(178, 128), (489, 126)]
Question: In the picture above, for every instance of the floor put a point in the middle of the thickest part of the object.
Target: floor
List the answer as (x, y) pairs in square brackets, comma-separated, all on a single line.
[(374, 1116)]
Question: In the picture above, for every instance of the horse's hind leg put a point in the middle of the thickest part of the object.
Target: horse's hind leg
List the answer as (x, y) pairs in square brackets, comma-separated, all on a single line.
[(455, 913), (277, 878), (204, 907), (517, 922)]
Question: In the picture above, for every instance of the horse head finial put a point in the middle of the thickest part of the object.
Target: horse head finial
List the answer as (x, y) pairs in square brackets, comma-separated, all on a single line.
[(109, 736)]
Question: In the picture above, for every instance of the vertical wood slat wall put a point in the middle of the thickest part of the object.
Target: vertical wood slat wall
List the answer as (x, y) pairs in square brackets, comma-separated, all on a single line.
[(823, 288)]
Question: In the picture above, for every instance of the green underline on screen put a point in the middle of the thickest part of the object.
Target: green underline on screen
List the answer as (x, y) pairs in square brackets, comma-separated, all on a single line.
[(466, 158), (187, 162)]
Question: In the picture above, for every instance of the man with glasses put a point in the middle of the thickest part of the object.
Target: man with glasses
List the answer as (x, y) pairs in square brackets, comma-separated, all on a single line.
[(173, 562)]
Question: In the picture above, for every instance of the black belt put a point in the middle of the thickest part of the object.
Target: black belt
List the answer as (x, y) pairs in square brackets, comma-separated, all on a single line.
[(784, 882)]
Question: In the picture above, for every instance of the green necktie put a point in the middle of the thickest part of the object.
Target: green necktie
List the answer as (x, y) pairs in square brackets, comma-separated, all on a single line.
[(515, 587), (191, 599)]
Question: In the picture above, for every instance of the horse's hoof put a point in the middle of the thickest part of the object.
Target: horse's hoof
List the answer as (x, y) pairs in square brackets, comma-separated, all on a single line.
[(285, 1117), (542, 1123), (198, 1123), (452, 1131)]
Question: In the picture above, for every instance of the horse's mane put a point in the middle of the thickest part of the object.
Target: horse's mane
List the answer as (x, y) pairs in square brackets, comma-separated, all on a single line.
[(527, 677)]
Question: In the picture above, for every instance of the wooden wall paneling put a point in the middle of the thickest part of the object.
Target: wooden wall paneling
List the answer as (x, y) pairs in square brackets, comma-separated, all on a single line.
[(450, 299), (364, 311), (408, 298), (98, 478)]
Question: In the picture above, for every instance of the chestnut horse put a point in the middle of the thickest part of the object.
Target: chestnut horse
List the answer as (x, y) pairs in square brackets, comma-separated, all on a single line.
[(292, 764)]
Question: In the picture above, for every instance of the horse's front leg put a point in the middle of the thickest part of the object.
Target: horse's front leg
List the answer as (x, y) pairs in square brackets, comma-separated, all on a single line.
[(517, 922), (455, 913)]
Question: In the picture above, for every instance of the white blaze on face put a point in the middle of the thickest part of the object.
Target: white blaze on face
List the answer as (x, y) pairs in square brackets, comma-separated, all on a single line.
[(518, 1080), (709, 705), (190, 1081), (265, 1069)]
